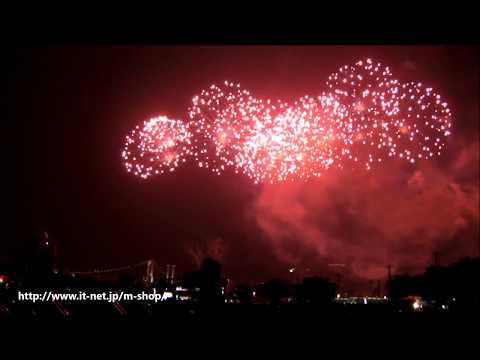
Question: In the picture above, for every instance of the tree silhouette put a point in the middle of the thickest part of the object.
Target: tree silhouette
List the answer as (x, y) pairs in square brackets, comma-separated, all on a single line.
[(316, 290), (210, 282), (274, 290), (442, 284), (215, 248)]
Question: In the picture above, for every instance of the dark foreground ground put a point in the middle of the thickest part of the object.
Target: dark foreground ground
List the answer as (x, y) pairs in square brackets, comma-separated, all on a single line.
[(233, 312)]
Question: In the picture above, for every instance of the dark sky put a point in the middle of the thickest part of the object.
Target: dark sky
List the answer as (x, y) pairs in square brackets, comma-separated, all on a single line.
[(74, 106)]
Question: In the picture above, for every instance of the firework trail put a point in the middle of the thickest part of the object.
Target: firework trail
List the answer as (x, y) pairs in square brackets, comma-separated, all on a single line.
[(364, 117)]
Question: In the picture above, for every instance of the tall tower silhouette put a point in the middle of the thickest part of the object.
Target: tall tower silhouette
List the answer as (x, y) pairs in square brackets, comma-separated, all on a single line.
[(47, 253)]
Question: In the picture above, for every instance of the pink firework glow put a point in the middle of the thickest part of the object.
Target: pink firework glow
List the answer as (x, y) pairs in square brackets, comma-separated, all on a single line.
[(364, 118), (160, 145)]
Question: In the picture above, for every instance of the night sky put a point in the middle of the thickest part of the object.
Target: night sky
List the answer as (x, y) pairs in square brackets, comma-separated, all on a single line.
[(75, 105)]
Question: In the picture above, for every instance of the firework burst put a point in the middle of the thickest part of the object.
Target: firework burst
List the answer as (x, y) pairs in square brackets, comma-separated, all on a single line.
[(364, 117), (160, 145)]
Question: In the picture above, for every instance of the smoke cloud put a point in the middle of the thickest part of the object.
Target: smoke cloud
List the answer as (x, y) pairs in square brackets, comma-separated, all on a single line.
[(396, 215)]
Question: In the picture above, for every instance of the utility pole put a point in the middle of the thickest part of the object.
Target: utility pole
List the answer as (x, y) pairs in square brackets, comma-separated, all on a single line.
[(338, 270)]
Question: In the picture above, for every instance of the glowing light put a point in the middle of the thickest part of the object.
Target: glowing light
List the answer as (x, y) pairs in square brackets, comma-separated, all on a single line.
[(159, 145), (363, 121)]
